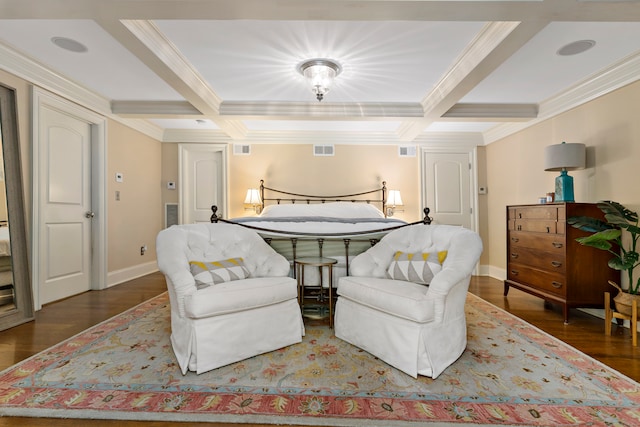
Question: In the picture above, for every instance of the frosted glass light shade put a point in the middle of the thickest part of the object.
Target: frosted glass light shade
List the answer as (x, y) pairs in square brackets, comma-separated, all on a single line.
[(564, 156), (253, 197)]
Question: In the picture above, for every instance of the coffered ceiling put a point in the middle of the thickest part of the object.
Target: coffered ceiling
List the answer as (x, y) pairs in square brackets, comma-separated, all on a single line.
[(413, 72)]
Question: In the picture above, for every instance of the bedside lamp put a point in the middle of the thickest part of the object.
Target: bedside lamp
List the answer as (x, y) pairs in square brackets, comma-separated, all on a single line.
[(564, 157), (253, 198), (393, 200)]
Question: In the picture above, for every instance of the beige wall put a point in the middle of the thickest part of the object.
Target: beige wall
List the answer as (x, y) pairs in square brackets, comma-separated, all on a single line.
[(512, 170), (135, 219), (610, 128), (293, 167)]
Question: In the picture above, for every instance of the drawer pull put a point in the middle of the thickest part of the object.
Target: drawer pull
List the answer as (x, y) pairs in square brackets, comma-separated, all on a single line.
[(557, 244), (515, 239), (556, 285), (556, 263), (514, 272), (514, 256), (548, 229)]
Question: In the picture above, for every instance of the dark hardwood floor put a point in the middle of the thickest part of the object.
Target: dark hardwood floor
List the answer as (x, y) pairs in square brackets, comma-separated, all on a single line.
[(63, 319)]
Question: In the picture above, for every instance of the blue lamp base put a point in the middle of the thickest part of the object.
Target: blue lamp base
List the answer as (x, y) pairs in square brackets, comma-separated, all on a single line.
[(564, 188)]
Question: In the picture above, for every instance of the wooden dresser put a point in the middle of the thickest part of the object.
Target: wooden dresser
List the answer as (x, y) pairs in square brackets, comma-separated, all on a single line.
[(544, 259)]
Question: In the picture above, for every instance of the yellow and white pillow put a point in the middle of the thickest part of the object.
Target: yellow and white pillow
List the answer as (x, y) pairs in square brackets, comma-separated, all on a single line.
[(416, 267), (209, 273)]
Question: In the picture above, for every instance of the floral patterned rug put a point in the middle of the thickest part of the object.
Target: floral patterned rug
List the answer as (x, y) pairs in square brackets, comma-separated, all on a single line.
[(511, 374)]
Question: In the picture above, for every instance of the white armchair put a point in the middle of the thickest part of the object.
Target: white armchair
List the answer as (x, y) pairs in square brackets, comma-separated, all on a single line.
[(417, 328), (214, 325)]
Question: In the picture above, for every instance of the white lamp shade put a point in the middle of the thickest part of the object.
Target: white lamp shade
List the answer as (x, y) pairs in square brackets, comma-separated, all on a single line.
[(253, 197), (564, 156), (394, 198)]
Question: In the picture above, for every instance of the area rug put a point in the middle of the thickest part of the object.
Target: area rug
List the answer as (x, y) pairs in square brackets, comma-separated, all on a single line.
[(511, 374)]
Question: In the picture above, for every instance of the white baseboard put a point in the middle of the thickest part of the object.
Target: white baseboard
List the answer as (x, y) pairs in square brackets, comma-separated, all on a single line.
[(491, 271), (130, 273)]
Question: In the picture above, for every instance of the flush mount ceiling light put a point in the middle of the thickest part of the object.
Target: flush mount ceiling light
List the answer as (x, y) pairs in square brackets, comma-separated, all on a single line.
[(320, 74), (69, 44), (576, 47)]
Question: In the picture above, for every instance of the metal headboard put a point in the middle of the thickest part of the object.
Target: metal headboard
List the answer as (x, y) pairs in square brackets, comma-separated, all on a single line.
[(379, 195)]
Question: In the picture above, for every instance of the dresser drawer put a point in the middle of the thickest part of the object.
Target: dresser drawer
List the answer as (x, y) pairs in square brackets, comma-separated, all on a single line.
[(536, 212), (544, 242), (547, 261), (543, 280), (536, 226)]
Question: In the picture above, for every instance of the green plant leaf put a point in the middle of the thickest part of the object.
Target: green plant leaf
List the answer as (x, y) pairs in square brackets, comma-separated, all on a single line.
[(588, 224), (615, 213), (601, 239), (630, 258)]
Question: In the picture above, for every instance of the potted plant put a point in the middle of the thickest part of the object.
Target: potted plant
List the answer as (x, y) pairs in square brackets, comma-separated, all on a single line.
[(607, 235)]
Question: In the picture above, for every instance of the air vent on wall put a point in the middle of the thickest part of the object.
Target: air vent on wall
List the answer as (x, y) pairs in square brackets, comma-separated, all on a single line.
[(407, 151), (323, 150), (170, 214), (241, 150)]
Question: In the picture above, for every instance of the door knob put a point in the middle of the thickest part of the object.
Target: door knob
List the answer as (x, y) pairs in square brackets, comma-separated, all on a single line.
[(90, 214)]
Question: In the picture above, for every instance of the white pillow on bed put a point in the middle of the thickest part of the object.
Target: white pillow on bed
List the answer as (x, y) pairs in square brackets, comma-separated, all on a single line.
[(332, 209)]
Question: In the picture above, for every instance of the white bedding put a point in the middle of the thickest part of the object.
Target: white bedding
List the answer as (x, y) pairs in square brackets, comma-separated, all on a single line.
[(331, 222), (342, 219)]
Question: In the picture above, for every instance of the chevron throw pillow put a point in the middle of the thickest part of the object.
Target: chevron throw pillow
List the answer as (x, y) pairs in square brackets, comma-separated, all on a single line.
[(209, 273), (416, 267)]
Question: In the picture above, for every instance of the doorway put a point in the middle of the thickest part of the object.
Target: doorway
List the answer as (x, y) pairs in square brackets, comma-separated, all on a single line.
[(69, 207), (448, 186), (203, 181)]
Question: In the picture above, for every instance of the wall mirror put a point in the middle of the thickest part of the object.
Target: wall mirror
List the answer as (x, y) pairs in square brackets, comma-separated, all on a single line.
[(16, 301)]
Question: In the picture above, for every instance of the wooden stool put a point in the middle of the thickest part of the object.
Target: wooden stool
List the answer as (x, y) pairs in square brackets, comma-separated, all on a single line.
[(610, 314)]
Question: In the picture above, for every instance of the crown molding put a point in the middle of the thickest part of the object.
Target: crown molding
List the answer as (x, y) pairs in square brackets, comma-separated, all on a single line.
[(624, 72), (143, 126), (329, 111), (208, 136), (148, 34), (492, 112), (450, 139), (36, 73), (153, 109), (489, 38)]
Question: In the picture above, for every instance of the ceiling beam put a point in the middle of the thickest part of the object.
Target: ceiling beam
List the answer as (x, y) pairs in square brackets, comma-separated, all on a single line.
[(492, 112), (432, 10), (152, 109), (320, 111)]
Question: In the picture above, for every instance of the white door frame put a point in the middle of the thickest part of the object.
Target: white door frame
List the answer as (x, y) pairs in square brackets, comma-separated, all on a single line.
[(98, 124), (471, 151), (182, 150)]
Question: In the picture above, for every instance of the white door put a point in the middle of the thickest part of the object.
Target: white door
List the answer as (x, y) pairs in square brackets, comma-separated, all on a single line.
[(202, 182), (64, 257), (447, 183)]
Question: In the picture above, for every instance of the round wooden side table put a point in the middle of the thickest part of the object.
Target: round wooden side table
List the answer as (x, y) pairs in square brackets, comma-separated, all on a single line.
[(321, 262)]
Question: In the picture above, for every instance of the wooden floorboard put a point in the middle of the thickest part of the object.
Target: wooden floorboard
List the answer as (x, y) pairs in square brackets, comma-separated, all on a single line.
[(63, 319)]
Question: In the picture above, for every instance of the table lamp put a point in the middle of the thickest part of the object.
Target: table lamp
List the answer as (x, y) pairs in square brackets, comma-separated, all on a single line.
[(253, 198), (564, 157)]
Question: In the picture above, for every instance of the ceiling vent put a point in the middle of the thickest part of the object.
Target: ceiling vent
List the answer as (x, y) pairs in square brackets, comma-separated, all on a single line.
[(241, 149), (407, 151), (323, 150)]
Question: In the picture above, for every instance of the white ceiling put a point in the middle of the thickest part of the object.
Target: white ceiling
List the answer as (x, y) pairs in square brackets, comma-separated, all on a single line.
[(413, 71)]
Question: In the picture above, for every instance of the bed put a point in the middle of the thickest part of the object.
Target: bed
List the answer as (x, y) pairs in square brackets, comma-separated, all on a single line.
[(303, 225)]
